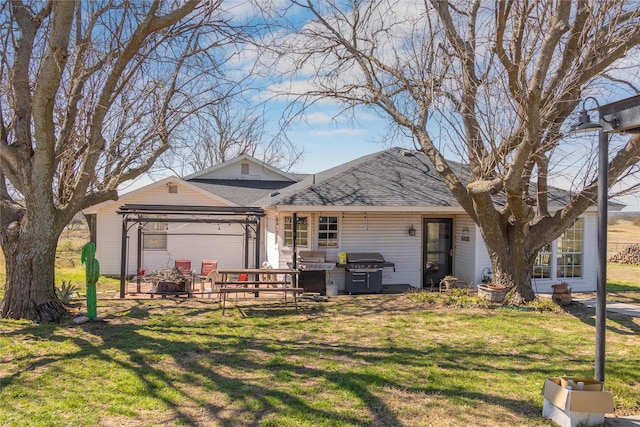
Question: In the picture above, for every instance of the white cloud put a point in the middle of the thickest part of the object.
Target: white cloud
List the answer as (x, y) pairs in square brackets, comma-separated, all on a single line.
[(319, 118), (333, 132)]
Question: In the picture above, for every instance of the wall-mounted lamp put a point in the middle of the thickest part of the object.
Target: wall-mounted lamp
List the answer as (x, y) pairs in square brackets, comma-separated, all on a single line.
[(412, 231)]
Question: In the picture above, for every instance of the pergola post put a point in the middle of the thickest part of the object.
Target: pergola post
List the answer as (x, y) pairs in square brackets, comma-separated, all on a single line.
[(123, 256)]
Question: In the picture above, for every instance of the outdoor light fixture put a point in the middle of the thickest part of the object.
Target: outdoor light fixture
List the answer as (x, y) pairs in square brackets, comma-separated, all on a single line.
[(584, 124), (412, 231), (618, 117)]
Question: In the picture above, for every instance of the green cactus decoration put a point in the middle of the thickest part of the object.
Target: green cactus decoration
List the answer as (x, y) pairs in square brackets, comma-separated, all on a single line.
[(92, 267)]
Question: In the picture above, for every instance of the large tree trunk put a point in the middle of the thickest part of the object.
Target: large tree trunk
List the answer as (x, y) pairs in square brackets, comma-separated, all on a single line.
[(513, 270), (30, 252), (511, 257)]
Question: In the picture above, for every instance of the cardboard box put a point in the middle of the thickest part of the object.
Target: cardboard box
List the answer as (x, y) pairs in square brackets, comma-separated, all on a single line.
[(590, 384), (572, 408)]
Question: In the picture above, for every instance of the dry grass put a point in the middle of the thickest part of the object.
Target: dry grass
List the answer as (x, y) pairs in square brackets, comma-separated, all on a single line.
[(377, 360), (621, 233)]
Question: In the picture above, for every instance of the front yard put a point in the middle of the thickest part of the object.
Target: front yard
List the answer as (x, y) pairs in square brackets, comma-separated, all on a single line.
[(381, 360)]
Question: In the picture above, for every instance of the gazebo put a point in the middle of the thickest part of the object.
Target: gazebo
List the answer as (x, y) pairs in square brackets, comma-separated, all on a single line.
[(139, 214)]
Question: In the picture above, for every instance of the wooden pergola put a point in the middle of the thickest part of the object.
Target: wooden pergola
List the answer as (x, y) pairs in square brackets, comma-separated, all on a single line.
[(138, 214)]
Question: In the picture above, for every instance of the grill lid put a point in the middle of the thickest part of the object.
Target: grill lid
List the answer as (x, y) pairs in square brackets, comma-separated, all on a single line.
[(353, 257), (311, 256), (316, 266)]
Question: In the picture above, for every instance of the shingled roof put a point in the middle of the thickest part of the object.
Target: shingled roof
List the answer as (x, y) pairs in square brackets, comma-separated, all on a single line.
[(240, 191), (393, 177)]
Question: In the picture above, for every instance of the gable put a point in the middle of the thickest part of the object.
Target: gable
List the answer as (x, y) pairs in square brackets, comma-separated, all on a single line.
[(176, 192), (243, 167), (168, 191)]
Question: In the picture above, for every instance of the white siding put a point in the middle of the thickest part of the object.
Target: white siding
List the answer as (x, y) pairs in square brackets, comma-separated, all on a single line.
[(482, 259), (271, 241), (386, 233), (185, 240), (464, 249), (234, 171)]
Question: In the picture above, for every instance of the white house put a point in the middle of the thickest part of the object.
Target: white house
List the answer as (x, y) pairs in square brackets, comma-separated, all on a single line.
[(390, 202)]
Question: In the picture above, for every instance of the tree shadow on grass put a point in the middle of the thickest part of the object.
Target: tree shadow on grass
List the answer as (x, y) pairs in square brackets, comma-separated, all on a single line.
[(204, 369), (617, 323)]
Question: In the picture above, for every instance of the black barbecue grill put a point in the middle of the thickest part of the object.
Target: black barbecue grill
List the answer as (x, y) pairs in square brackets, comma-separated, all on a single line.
[(313, 271), (363, 272)]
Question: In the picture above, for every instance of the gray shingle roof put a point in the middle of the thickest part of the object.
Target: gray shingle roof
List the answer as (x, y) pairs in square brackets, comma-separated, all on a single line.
[(393, 177), (240, 191)]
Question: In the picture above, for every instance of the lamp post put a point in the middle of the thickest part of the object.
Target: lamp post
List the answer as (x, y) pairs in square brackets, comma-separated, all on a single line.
[(584, 125), (618, 117)]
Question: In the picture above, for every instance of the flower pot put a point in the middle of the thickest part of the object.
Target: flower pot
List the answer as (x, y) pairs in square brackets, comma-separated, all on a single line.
[(490, 294)]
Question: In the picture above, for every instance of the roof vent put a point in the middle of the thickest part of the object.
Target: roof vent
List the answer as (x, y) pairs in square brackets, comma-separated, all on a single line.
[(274, 193), (407, 153)]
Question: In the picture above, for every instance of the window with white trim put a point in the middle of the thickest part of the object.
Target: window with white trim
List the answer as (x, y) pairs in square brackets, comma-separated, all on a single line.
[(328, 232), (302, 230), (542, 264), (155, 235), (564, 256), (569, 257)]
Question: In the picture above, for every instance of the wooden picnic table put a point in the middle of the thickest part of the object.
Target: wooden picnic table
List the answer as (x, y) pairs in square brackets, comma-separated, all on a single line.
[(258, 273), (255, 281)]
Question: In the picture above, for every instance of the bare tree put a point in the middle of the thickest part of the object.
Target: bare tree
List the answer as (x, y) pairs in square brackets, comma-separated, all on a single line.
[(224, 130), (492, 82), (91, 94)]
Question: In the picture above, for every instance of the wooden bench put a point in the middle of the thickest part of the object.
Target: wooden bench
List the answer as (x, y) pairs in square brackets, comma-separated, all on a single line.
[(224, 291)]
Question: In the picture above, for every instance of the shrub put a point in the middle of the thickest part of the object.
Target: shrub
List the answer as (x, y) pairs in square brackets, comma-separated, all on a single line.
[(540, 304), (457, 298), (66, 291), (425, 297)]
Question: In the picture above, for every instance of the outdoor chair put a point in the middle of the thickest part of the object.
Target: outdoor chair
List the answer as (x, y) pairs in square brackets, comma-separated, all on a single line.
[(207, 267), (213, 277), (184, 266)]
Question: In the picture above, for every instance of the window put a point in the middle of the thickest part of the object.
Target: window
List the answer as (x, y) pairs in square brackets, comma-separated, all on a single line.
[(155, 235), (542, 264), (564, 256), (328, 232), (569, 255), (302, 230), (244, 168)]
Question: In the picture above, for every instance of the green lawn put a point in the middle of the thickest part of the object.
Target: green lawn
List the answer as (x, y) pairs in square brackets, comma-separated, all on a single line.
[(355, 361), (358, 360)]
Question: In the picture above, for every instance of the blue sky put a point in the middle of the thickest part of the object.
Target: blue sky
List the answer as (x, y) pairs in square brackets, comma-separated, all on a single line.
[(328, 137)]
